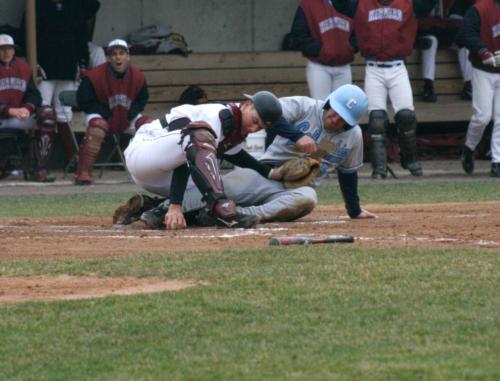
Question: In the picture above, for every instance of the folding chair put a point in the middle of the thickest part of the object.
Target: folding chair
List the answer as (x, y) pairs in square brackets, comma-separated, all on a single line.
[(68, 98)]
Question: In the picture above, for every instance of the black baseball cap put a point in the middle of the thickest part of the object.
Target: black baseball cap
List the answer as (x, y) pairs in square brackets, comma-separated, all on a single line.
[(267, 105)]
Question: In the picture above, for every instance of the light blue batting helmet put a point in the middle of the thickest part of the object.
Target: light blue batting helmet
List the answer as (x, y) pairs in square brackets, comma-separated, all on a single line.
[(350, 102)]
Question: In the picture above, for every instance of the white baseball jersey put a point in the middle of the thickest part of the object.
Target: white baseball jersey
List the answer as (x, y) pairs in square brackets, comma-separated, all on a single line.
[(342, 150)]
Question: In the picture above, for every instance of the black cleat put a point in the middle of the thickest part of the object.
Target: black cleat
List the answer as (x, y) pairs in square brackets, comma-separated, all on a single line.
[(155, 218), (495, 170), (379, 173), (467, 160), (415, 168), (467, 91), (429, 94)]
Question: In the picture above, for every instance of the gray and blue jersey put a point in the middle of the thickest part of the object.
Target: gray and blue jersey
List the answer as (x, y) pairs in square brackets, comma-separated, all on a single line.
[(339, 150)]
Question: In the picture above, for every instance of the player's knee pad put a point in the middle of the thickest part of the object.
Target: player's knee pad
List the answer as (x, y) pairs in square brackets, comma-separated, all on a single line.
[(46, 118), (427, 42), (98, 128), (378, 122), (406, 121), (94, 136)]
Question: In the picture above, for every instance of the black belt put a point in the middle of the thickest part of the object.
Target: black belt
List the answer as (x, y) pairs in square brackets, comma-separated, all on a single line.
[(384, 65), (163, 121)]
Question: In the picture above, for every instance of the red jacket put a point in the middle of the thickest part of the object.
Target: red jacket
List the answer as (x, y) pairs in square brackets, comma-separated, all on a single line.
[(489, 12), (14, 81), (385, 32), (332, 29), (116, 93)]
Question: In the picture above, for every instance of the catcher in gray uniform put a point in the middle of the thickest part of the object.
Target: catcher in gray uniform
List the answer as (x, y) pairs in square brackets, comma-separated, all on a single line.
[(331, 123)]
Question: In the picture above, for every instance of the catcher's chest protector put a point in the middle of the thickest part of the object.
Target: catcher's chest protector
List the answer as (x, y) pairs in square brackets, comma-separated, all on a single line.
[(231, 128)]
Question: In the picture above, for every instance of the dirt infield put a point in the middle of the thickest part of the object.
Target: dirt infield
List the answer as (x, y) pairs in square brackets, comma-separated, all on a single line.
[(438, 225), (65, 287), (471, 225)]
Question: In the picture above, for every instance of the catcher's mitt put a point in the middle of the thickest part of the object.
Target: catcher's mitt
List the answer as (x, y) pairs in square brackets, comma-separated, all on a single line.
[(300, 172)]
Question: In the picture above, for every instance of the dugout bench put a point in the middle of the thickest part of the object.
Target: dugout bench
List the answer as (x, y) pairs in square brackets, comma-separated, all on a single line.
[(225, 76)]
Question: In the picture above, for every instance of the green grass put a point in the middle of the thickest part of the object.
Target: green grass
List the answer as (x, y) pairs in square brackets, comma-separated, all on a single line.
[(417, 192), (296, 313), (321, 312), (91, 204)]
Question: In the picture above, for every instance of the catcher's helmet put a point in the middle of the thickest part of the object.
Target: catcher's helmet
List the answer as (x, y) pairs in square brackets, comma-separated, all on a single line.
[(267, 105), (350, 102)]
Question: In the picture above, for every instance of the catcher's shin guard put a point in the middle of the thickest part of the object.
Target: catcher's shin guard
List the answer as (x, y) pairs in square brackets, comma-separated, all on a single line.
[(406, 124), (43, 144), (204, 169), (377, 128), (89, 150)]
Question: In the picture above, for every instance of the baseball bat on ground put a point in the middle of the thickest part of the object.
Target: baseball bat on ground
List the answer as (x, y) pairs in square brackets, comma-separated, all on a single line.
[(298, 240)]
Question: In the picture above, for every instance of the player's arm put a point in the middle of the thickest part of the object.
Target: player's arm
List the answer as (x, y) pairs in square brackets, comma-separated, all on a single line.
[(470, 31), (87, 100), (174, 219), (348, 182), (302, 39), (139, 103), (244, 160), (294, 110), (286, 129)]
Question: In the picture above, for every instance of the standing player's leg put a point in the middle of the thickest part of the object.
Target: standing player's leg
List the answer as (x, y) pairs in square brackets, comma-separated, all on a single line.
[(319, 80), (401, 96), (482, 106), (342, 75), (376, 90)]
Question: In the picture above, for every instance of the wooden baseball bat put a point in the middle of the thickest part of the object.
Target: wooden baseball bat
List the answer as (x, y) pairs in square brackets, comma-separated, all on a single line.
[(298, 240)]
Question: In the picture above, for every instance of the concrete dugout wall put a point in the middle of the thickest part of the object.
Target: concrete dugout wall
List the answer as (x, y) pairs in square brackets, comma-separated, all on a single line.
[(207, 25)]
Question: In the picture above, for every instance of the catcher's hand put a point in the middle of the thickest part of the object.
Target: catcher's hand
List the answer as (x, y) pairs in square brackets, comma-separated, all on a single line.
[(300, 172)]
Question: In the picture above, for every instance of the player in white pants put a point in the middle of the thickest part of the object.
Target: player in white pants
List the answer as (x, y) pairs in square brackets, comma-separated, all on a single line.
[(386, 32), (325, 37), (480, 35)]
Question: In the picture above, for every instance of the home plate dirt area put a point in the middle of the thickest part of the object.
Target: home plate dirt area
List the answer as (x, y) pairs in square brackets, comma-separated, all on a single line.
[(471, 224)]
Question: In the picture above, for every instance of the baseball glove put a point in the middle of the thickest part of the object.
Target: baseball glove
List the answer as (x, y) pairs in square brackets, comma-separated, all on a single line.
[(300, 172)]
